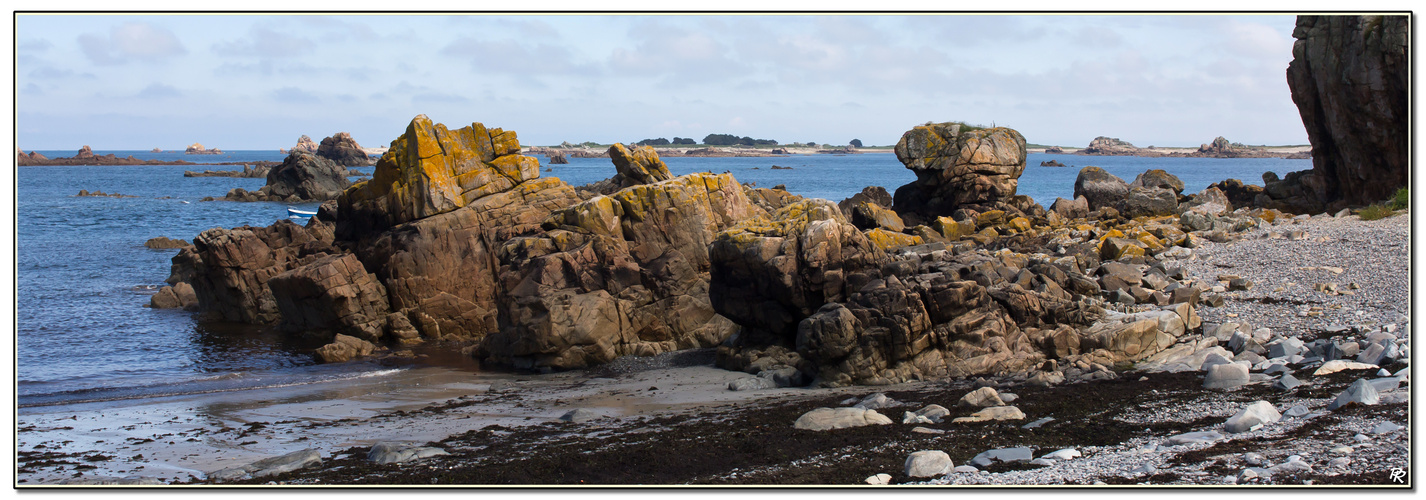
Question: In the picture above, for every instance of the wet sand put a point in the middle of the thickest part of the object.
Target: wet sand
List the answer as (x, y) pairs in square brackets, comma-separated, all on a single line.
[(182, 438)]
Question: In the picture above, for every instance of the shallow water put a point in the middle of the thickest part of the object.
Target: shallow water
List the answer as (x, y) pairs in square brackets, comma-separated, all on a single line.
[(84, 274)]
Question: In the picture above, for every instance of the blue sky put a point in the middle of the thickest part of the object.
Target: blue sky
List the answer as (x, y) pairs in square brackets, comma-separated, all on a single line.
[(260, 82)]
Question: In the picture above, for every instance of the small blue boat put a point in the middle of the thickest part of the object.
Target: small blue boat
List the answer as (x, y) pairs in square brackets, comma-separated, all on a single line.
[(293, 213)]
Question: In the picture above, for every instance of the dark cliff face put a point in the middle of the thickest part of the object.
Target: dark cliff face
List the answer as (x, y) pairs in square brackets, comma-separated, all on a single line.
[(1348, 78)]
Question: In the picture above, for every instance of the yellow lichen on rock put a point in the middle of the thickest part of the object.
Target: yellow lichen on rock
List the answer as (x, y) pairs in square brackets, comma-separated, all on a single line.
[(887, 240), (431, 170)]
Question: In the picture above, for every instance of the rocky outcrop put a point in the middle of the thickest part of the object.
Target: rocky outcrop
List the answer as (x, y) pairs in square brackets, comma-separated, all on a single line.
[(639, 166), (164, 243), (558, 159), (342, 150), (1154, 192), (1112, 146), (85, 156), (180, 295), (198, 149), (229, 268), (305, 144), (977, 169), (248, 171), (300, 177), (431, 170), (1349, 78), (308, 177), (331, 294)]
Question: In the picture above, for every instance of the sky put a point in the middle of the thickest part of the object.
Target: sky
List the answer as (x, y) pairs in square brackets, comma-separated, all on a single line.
[(235, 82)]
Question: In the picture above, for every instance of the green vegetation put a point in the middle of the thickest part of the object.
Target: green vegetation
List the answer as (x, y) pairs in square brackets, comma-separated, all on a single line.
[(653, 142), (1376, 211), (1401, 200), (730, 140), (856, 143)]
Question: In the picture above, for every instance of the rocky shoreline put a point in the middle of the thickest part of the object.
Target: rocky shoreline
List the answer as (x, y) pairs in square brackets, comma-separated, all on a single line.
[(625, 422)]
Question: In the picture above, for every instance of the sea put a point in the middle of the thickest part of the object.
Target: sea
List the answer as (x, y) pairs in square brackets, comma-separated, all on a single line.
[(83, 275)]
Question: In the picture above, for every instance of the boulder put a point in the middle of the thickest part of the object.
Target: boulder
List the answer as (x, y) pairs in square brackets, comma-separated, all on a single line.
[(990, 457), (344, 348), (229, 268), (984, 396), (955, 168), (388, 452), (332, 294), (1349, 78), (1360, 392), (1226, 376), (342, 150), (1099, 188), (271, 466), (306, 176), (928, 463), (993, 413), (1257, 413), (823, 419)]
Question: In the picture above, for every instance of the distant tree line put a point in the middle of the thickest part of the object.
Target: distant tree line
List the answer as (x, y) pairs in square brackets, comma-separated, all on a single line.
[(731, 140), (664, 142)]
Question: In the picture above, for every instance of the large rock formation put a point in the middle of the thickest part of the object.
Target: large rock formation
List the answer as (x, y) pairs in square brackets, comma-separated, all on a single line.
[(304, 144), (342, 150), (975, 169), (431, 170), (456, 238), (639, 166), (197, 149), (1112, 146), (308, 177), (1349, 78)]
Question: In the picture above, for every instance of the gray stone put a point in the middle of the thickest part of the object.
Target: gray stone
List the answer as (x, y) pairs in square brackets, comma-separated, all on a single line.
[(1284, 347), (1008, 397), (1360, 392), (993, 413), (965, 469), (1372, 355), (927, 430), (877, 401), (931, 414), (928, 463), (1385, 384), (1257, 413), (387, 452), (1194, 438), (989, 457), (1226, 376), (579, 415), (1286, 382), (1249, 356), (271, 466), (1385, 427), (1148, 469), (1296, 411), (751, 384), (1277, 368), (1214, 359), (1062, 454), (1038, 423), (823, 419), (784, 377), (1042, 462)]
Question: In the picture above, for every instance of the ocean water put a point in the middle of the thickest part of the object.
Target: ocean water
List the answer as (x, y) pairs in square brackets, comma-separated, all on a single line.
[(83, 274)]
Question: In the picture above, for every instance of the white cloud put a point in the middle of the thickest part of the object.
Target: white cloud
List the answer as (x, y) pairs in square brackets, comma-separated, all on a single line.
[(266, 43), (514, 57), (158, 91), (293, 95), (131, 41)]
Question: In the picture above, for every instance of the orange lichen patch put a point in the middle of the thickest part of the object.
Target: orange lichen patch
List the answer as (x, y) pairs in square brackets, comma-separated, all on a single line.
[(887, 240)]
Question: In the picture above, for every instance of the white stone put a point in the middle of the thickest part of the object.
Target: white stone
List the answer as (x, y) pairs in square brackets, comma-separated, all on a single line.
[(879, 479), (993, 413), (1338, 365), (823, 419), (1255, 414), (984, 396), (1062, 454), (928, 463)]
